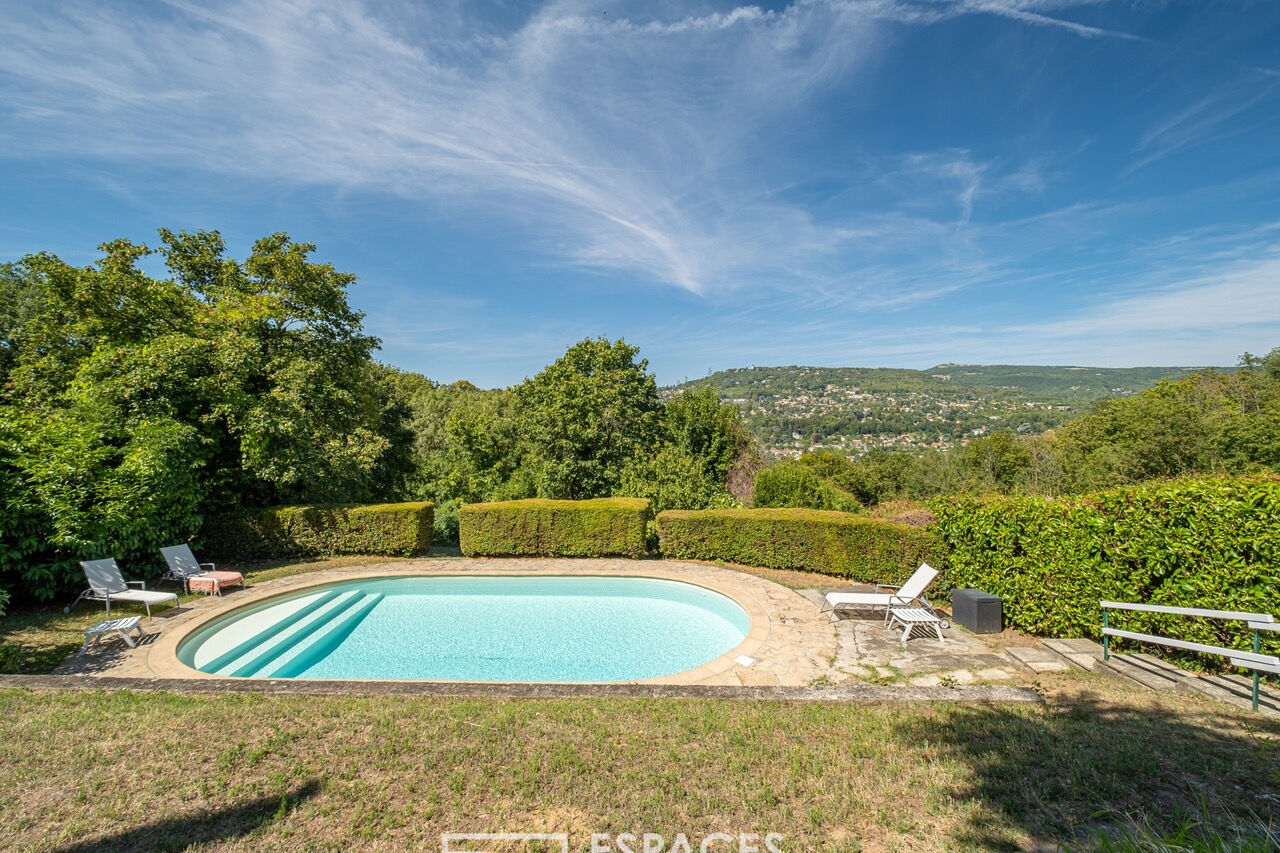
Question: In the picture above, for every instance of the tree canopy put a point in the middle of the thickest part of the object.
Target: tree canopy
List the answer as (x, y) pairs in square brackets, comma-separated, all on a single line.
[(133, 406), (586, 415)]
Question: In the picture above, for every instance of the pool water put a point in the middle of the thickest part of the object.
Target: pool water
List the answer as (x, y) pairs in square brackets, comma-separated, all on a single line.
[(474, 628)]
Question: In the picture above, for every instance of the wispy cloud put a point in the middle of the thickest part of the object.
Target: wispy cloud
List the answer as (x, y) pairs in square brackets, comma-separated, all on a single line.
[(1233, 297), (1036, 13), (625, 142), (1199, 122)]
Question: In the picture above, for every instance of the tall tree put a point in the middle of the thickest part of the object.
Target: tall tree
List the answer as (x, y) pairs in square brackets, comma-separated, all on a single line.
[(587, 415), (709, 431), (134, 405)]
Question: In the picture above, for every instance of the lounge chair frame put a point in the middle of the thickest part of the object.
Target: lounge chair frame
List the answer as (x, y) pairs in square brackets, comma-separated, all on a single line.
[(183, 566), (887, 596), (106, 584)]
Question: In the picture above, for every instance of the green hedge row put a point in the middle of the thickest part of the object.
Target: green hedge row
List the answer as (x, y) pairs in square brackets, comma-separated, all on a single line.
[(835, 543), (1196, 543), (402, 529), (550, 528)]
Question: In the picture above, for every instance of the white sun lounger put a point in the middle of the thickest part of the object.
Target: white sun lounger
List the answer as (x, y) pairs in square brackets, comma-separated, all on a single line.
[(909, 617), (106, 584), (124, 627), (887, 596)]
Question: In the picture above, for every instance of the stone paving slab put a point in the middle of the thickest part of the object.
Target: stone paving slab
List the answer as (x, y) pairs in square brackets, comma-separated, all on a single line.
[(1081, 652), (1158, 674), (1154, 676), (1038, 659), (1237, 690), (846, 693), (869, 650), (1077, 645)]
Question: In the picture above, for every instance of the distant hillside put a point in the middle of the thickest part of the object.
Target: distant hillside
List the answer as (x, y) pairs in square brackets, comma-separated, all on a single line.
[(1060, 383), (858, 409)]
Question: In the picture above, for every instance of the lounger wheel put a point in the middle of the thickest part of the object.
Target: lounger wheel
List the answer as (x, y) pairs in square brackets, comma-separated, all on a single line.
[(67, 609)]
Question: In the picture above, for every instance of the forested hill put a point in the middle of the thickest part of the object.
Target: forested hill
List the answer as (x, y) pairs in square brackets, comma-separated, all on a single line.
[(1060, 383), (795, 409)]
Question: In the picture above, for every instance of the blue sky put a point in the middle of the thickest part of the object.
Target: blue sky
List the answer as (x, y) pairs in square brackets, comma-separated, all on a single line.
[(871, 182)]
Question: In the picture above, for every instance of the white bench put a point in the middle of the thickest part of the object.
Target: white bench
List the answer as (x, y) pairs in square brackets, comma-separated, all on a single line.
[(1257, 622), (124, 627), (910, 617)]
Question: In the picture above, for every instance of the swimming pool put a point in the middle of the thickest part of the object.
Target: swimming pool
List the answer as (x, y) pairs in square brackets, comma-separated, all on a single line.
[(474, 628)]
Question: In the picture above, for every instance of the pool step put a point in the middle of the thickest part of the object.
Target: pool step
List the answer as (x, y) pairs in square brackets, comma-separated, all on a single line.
[(238, 651), (305, 654), (267, 649)]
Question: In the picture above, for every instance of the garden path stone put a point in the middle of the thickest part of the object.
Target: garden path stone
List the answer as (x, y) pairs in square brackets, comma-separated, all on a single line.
[(1079, 651), (1039, 659)]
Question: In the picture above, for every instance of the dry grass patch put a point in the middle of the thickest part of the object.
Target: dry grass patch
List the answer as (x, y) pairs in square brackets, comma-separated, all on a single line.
[(278, 771)]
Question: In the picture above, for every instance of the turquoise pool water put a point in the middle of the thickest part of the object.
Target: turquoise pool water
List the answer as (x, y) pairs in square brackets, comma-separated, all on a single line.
[(473, 628)]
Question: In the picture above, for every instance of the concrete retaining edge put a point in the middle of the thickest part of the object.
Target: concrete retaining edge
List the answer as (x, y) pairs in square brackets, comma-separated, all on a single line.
[(851, 693)]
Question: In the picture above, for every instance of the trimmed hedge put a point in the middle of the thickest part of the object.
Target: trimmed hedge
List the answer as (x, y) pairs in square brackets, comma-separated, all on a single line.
[(402, 529), (834, 543), (550, 528), (1192, 543)]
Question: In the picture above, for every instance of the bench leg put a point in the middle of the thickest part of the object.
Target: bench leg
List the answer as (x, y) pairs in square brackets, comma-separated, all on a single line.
[(937, 626), (907, 633), (132, 643)]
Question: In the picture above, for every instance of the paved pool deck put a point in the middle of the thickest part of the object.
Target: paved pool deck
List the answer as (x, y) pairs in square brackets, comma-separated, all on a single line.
[(792, 643)]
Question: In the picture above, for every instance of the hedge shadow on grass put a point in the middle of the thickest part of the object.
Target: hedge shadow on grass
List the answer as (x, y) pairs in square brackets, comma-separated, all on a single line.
[(1084, 769), (202, 827)]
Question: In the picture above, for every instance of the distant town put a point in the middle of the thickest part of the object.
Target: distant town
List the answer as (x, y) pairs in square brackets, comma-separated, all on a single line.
[(793, 410)]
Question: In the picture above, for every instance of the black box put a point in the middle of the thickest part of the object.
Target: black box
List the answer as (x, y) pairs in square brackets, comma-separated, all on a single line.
[(980, 612)]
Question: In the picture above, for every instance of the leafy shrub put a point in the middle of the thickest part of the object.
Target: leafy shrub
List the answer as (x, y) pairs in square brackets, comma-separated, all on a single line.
[(400, 529), (673, 479), (1192, 543), (554, 528), (833, 543), (445, 524), (73, 487), (792, 484)]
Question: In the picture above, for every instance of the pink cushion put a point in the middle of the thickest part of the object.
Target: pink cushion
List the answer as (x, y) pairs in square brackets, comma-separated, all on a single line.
[(205, 582)]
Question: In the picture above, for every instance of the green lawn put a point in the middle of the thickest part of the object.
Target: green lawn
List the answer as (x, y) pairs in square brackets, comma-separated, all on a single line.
[(80, 771), (121, 770)]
